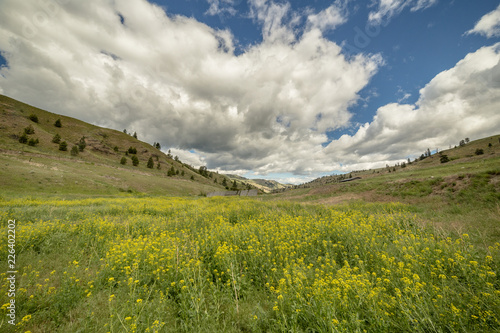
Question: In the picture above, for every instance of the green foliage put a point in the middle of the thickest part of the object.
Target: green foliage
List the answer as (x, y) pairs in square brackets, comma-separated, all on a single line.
[(171, 171), (82, 144), (182, 173), (158, 166), (29, 130), (123, 161), (56, 138), (33, 117), (444, 158), (74, 151), (33, 142), (115, 148), (58, 123), (135, 135), (23, 138), (150, 164), (479, 151), (135, 160), (63, 146), (132, 150), (192, 177)]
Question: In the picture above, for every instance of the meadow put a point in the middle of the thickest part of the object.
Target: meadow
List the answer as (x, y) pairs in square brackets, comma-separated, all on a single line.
[(159, 264)]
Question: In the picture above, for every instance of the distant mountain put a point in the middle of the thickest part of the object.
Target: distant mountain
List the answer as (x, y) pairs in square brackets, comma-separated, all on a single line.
[(265, 185), (33, 163)]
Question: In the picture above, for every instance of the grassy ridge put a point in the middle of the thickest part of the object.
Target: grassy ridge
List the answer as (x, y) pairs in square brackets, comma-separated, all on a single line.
[(235, 264), (44, 169)]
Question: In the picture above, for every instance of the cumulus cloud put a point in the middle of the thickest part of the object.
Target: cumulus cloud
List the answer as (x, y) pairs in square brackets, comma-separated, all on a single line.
[(460, 102), (488, 25), (328, 18), (174, 80), (218, 7), (387, 9)]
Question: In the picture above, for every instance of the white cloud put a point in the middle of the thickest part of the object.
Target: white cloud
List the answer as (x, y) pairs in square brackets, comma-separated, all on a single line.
[(327, 19), (387, 9), (219, 7), (174, 80), (488, 25), (460, 102)]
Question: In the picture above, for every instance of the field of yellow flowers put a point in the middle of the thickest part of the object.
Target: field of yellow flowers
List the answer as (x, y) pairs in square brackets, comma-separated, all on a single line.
[(240, 265)]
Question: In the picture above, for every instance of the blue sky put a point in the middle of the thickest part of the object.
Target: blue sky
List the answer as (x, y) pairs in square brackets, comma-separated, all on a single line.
[(286, 90)]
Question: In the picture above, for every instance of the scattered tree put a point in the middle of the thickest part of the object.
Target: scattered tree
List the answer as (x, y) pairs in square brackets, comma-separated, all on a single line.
[(63, 146), (82, 144), (135, 160), (224, 182), (461, 143), (235, 186), (490, 145), (56, 138), (115, 148), (192, 177), (479, 151), (29, 130), (23, 138), (125, 131), (74, 151), (157, 145), (33, 117), (467, 140), (123, 161), (33, 142), (135, 135), (444, 158), (150, 164), (158, 166), (132, 150), (58, 123)]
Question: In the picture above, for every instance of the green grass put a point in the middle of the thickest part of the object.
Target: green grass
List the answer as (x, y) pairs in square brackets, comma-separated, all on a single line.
[(242, 265)]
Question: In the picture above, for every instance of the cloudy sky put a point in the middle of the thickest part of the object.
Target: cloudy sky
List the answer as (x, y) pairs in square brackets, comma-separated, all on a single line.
[(285, 90)]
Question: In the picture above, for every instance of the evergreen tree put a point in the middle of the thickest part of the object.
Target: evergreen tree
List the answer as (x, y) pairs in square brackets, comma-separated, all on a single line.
[(63, 146), (33, 118), (123, 161), (56, 138), (135, 160), (135, 135), (132, 150), (150, 164), (192, 177), (58, 123), (29, 130), (82, 144), (23, 138), (182, 173), (33, 142)]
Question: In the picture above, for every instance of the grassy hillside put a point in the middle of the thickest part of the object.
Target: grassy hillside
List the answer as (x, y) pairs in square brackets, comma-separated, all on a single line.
[(44, 169), (265, 185), (462, 195)]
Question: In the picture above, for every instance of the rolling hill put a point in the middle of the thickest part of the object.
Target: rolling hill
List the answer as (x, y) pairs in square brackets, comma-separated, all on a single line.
[(42, 168)]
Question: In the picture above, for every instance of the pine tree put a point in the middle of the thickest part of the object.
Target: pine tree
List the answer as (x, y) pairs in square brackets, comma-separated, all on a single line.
[(82, 144), (58, 123), (123, 161), (56, 138), (23, 138), (150, 164), (74, 151), (135, 135), (63, 146), (135, 160)]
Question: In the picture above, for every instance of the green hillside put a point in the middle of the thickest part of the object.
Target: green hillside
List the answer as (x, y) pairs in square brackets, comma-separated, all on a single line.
[(45, 169)]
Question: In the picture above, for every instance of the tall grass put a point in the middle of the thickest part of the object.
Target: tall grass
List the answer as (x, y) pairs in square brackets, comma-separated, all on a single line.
[(237, 264)]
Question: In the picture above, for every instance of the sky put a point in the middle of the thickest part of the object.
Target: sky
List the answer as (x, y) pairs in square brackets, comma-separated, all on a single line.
[(283, 90)]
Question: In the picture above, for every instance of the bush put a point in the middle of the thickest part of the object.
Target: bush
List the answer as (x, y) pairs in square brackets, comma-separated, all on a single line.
[(23, 138), (132, 150), (135, 161), (82, 144), (29, 130), (115, 148), (33, 118), (33, 142), (444, 159), (74, 151), (63, 146), (58, 123), (123, 161), (479, 151), (150, 164), (56, 138)]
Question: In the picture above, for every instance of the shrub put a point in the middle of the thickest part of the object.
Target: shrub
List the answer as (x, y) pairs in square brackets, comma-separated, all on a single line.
[(150, 164), (123, 161), (132, 150), (115, 148), (63, 146), (29, 130), (74, 151), (479, 151), (33, 142), (56, 138), (158, 166), (444, 158), (23, 138), (192, 177), (33, 118), (58, 123), (82, 144), (135, 161)]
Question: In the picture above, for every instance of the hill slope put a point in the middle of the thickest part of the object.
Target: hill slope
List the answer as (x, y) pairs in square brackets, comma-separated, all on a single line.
[(45, 169)]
